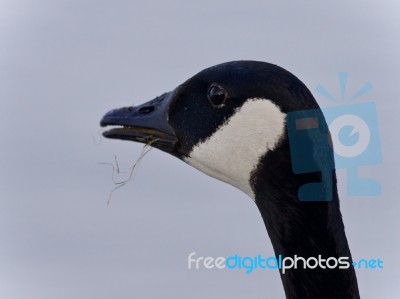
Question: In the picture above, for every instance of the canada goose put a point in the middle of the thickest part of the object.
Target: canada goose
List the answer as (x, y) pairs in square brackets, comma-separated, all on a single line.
[(229, 121)]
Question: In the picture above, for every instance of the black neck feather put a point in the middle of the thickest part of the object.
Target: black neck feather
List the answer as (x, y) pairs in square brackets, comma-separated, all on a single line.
[(305, 229)]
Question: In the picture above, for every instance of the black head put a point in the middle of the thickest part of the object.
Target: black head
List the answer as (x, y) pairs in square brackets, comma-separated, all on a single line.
[(177, 121)]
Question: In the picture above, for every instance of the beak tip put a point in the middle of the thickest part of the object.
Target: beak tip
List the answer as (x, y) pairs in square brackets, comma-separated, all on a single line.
[(105, 121)]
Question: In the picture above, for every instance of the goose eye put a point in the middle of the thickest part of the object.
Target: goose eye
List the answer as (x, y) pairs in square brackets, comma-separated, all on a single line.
[(217, 95)]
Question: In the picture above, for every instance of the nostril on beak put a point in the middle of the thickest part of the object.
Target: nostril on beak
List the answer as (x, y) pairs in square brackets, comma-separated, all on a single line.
[(146, 109), (129, 109)]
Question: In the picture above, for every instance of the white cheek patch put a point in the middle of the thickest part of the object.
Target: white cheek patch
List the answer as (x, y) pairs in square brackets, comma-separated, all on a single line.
[(235, 149)]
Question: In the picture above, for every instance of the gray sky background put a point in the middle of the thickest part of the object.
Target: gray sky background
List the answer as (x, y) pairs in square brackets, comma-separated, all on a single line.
[(63, 64)]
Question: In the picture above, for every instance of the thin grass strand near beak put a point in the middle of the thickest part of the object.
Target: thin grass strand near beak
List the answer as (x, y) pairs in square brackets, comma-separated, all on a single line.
[(132, 170)]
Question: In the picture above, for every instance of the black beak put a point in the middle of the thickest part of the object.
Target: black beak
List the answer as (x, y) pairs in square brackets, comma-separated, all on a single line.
[(147, 123)]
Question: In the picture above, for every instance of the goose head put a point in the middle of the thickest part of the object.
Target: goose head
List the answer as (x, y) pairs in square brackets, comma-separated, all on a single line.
[(222, 121)]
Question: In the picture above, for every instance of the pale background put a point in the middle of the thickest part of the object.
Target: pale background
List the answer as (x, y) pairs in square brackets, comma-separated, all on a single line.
[(63, 64)]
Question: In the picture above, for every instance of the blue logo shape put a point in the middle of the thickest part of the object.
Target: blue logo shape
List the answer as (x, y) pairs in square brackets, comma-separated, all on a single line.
[(345, 134), (348, 135)]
